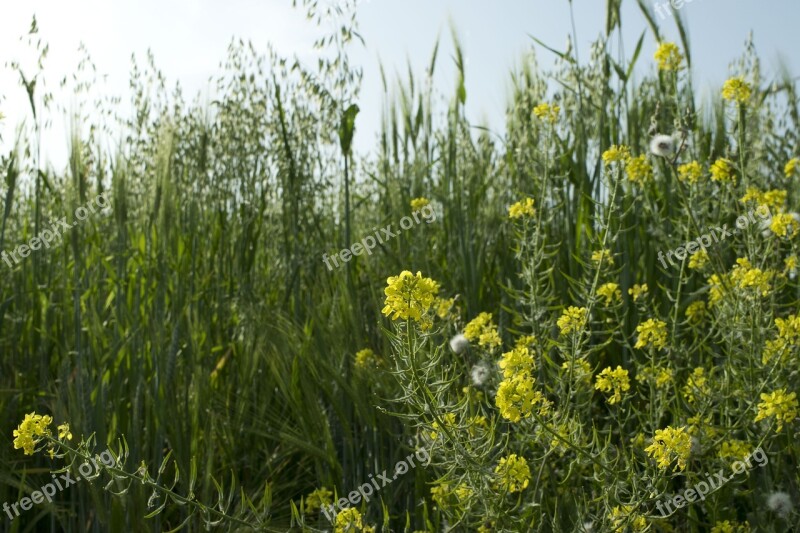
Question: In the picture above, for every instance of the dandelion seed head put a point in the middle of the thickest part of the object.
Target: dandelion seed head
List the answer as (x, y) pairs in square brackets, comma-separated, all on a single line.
[(662, 145), (780, 503), (459, 344)]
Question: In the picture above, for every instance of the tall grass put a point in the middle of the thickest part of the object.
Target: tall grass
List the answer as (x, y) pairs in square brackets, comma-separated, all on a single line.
[(199, 321)]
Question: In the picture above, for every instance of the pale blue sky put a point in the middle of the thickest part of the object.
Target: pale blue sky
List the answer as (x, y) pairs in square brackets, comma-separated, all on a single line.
[(189, 38)]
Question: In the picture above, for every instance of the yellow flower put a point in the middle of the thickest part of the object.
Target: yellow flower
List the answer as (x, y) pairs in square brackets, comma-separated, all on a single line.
[(774, 348), (482, 329), (696, 385), (523, 208), (572, 319), (463, 492), (516, 397), (31, 431), (419, 203), (581, 369), (775, 199), (780, 405), (366, 358), (477, 424), (661, 375), (784, 225), (722, 171), (616, 380), (517, 361), (617, 154), (610, 291), (698, 260), (730, 527), (736, 90), (668, 56), (603, 256), (790, 264), (735, 449), (791, 167), (318, 499), (652, 332), (745, 276), (789, 328), (716, 288), (450, 421), (696, 312), (64, 432), (639, 169), (637, 291), (409, 296), (752, 194), (548, 112), (513, 473), (670, 444), (443, 306), (691, 172), (620, 515), (349, 521)]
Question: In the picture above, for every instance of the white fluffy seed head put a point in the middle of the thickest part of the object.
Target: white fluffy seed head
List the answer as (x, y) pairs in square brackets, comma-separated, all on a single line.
[(459, 343), (663, 145), (780, 503), (479, 375)]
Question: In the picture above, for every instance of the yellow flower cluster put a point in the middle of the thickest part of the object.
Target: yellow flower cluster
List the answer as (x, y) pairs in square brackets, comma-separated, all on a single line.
[(572, 319), (639, 169), (637, 291), (519, 360), (443, 306), (617, 154), (730, 527), (696, 385), (788, 335), (662, 376), (513, 473), (698, 260), (652, 332), (365, 359), (734, 449), (791, 167), (780, 405), (670, 444), (696, 312), (669, 57), (31, 431), (624, 513), (350, 521), (409, 297), (784, 225), (516, 397), (610, 291), (482, 329), (601, 257), (613, 380), (745, 276), (722, 171), (774, 199), (736, 90), (521, 209), (419, 203), (548, 112), (318, 499), (449, 420), (691, 172)]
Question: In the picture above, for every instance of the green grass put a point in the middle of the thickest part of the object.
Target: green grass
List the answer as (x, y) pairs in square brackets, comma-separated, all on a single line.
[(198, 320)]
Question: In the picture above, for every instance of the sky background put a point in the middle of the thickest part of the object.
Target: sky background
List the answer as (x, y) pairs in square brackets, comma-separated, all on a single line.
[(189, 38)]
